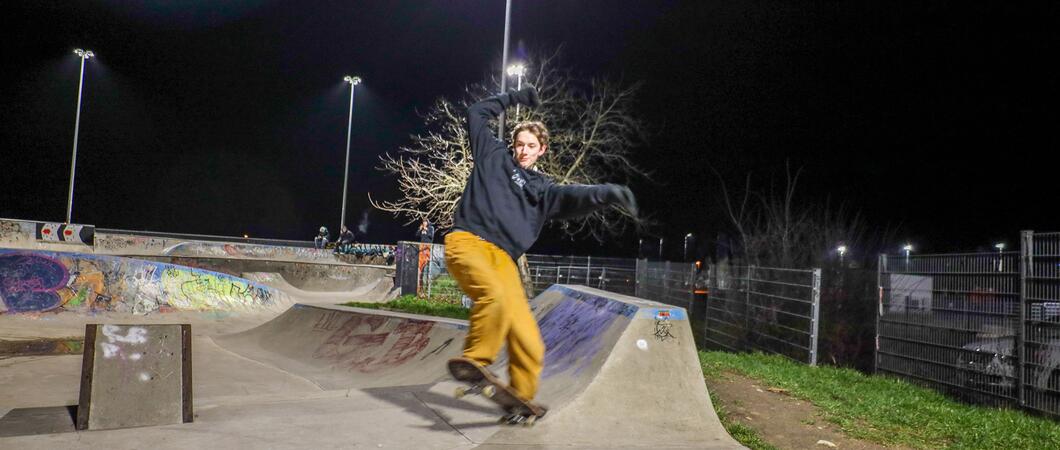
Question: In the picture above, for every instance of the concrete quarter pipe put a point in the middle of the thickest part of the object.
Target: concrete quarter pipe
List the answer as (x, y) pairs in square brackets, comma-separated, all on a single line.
[(619, 372)]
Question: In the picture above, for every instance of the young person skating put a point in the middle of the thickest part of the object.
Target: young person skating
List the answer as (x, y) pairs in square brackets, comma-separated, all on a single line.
[(504, 206)]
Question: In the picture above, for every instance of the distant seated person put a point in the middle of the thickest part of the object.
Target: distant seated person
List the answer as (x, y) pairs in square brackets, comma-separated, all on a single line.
[(426, 231), (345, 244), (322, 238)]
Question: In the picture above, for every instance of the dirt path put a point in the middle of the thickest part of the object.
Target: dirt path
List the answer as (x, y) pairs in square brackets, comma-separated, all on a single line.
[(781, 420)]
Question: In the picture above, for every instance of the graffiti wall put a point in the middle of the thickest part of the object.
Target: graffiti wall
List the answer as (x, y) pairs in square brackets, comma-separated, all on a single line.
[(33, 282), (15, 231), (118, 244), (575, 327), (249, 251)]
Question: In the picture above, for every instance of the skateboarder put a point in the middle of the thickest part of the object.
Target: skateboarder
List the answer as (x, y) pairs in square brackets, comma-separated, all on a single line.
[(504, 206)]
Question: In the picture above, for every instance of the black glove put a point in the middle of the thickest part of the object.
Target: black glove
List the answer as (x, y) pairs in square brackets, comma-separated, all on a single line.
[(526, 96), (622, 197)]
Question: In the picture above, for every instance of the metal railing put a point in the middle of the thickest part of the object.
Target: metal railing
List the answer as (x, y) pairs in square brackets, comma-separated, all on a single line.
[(766, 309), (984, 326)]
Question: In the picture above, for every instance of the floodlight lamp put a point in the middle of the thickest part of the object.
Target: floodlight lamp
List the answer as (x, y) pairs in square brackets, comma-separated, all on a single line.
[(842, 249), (84, 53), (999, 246), (908, 247), (688, 235), (516, 70)]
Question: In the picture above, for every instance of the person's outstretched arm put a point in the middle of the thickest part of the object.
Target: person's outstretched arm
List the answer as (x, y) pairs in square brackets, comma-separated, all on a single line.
[(482, 137), (576, 200)]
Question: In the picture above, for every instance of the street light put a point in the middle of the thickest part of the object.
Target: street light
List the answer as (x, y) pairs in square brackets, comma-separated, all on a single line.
[(908, 248), (687, 237), (517, 70), (504, 63), (842, 250), (354, 81), (84, 54), (1000, 246)]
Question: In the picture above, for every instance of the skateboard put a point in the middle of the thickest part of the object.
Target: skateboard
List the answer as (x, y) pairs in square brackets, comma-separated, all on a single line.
[(483, 382)]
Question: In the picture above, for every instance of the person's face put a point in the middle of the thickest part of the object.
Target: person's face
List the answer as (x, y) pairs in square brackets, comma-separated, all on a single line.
[(527, 149)]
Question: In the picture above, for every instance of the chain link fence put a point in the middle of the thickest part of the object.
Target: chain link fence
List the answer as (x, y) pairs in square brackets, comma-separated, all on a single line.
[(766, 309), (983, 326)]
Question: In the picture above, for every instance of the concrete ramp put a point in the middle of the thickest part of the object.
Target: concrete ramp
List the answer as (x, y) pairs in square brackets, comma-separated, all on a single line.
[(619, 371), (338, 347), (39, 281), (376, 291)]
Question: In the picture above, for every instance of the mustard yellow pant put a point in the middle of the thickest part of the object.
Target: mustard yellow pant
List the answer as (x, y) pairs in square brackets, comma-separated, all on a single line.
[(501, 313)]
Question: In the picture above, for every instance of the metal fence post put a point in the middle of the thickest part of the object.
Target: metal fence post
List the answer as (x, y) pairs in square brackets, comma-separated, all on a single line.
[(747, 307), (691, 286), (816, 315), (1026, 265), (588, 268), (881, 267)]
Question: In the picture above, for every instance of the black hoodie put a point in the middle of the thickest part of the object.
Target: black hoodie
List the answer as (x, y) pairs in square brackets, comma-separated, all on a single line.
[(506, 204)]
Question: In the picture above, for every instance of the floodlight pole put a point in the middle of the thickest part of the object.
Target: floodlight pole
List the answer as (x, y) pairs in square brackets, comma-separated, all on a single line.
[(353, 81), (84, 54), (517, 70), (504, 64)]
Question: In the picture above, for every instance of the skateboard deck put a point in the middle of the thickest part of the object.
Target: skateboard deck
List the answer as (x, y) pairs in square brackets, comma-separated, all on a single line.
[(483, 382)]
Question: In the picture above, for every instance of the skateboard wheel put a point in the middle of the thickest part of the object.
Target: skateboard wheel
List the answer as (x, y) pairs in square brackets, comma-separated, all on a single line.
[(460, 391), (488, 391), (530, 421)]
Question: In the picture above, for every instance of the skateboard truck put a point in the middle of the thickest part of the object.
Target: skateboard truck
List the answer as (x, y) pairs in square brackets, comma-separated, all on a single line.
[(482, 382), (477, 389)]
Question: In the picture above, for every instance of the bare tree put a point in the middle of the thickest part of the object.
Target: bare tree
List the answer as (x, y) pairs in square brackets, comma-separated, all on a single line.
[(593, 134), (777, 228)]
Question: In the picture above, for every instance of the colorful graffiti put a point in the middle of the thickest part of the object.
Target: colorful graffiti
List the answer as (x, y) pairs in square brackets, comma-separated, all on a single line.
[(201, 290), (33, 282), (573, 330), (358, 344)]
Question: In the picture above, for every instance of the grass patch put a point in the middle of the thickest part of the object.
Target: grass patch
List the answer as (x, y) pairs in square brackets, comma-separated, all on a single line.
[(890, 411), (742, 433), (416, 305)]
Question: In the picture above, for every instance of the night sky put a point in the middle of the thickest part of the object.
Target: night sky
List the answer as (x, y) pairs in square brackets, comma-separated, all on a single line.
[(938, 119)]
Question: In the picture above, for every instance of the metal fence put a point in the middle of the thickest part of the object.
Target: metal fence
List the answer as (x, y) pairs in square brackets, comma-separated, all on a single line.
[(767, 309), (421, 271), (617, 275), (666, 282), (985, 326)]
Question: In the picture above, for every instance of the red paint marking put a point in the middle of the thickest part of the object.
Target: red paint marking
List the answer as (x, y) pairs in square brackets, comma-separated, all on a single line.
[(68, 232), (46, 231)]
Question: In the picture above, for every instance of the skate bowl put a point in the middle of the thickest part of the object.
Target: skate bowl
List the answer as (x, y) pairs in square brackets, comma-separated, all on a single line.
[(56, 282), (304, 269), (622, 367)]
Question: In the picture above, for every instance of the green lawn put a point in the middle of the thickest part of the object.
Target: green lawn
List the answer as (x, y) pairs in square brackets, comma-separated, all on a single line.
[(416, 305), (890, 411)]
